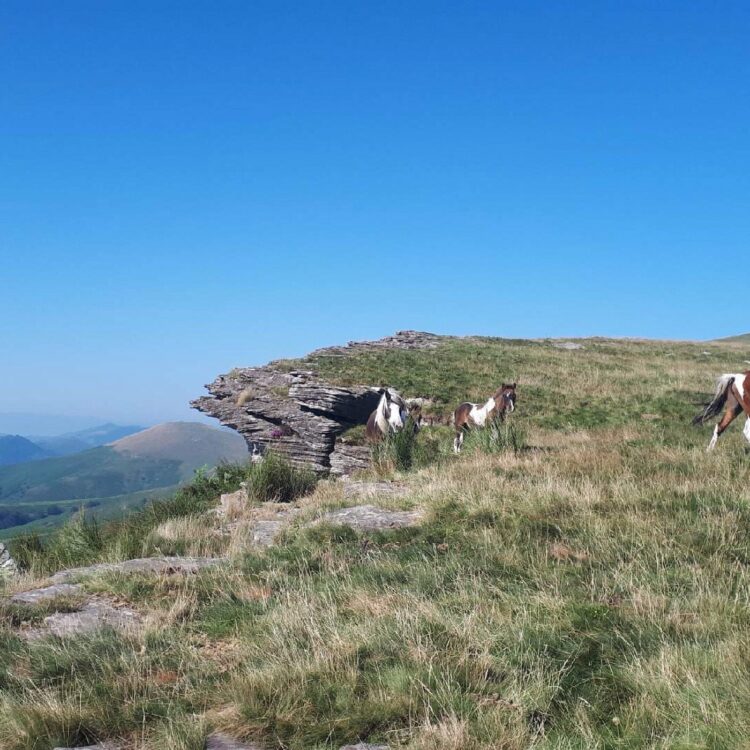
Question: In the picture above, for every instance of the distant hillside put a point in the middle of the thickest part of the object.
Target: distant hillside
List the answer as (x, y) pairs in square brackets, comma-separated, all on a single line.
[(15, 449), (190, 443), (743, 338), (75, 442), (160, 457)]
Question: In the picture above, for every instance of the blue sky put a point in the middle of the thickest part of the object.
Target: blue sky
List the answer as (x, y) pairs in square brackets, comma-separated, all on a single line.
[(186, 187)]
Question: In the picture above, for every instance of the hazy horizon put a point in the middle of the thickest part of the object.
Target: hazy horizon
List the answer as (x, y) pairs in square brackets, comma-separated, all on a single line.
[(54, 425)]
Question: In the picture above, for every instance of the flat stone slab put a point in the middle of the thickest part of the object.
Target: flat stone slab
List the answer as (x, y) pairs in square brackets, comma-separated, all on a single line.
[(38, 596), (94, 614), (157, 565), (372, 518), (374, 489), (364, 746), (100, 746), (571, 345), (220, 741)]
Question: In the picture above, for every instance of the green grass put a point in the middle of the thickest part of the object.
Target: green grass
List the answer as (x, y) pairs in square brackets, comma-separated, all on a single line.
[(275, 480), (99, 472), (84, 541), (582, 581), (49, 516)]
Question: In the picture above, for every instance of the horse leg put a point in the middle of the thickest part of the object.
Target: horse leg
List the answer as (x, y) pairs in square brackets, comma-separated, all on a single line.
[(742, 394), (733, 409), (457, 441)]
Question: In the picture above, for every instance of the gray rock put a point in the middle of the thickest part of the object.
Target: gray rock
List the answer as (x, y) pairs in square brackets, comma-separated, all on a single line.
[(568, 345), (364, 746), (346, 459), (100, 746), (296, 413), (375, 489), (7, 563), (38, 596), (95, 614), (264, 532), (233, 503), (372, 518), (220, 741), (157, 565)]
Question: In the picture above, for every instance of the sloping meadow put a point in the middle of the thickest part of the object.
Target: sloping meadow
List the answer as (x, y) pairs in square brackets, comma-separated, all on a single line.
[(589, 590)]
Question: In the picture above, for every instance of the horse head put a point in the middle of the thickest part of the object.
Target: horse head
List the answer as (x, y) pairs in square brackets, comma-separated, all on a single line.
[(397, 409), (505, 398), (392, 411)]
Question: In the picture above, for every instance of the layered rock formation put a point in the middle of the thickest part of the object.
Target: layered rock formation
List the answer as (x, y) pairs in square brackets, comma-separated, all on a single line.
[(298, 414)]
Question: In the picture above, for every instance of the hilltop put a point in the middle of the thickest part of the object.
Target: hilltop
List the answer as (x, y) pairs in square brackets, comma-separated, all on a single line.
[(579, 580), (191, 444)]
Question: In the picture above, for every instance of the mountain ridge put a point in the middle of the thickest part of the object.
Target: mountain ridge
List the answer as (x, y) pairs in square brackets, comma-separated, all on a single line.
[(17, 449)]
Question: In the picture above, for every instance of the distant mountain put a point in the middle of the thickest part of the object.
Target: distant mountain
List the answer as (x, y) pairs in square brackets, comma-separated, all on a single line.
[(75, 442), (191, 443), (156, 458), (15, 449)]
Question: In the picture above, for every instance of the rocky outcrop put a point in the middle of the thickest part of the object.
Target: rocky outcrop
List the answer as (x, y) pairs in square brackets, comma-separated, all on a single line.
[(295, 412)]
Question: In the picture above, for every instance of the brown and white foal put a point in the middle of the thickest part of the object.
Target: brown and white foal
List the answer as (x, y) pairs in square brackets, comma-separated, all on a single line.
[(468, 415), (732, 395)]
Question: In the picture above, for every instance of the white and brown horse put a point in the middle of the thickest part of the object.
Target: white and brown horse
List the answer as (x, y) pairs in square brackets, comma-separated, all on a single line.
[(733, 396), (469, 415), (390, 416)]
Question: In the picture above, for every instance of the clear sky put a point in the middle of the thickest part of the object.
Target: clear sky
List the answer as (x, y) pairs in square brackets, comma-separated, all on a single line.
[(191, 186)]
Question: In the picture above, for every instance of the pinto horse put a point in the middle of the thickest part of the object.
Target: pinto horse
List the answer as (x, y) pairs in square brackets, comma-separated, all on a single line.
[(469, 415), (732, 395), (389, 416)]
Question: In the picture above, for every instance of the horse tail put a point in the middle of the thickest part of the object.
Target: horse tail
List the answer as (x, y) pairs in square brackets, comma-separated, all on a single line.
[(723, 386)]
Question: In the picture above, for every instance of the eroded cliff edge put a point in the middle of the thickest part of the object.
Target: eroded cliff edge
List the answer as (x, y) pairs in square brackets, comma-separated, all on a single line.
[(298, 414)]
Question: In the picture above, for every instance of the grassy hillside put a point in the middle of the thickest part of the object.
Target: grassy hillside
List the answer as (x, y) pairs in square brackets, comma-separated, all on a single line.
[(742, 338), (589, 591), (108, 478)]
